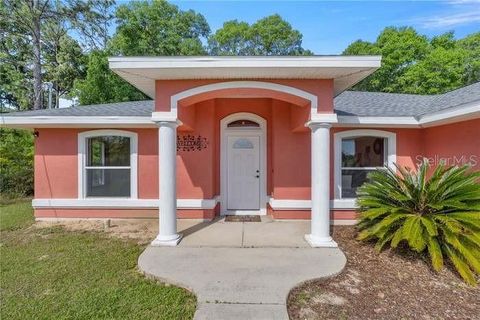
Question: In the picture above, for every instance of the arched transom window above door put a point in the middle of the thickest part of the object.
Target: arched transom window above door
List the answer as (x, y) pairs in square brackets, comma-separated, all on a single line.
[(243, 123)]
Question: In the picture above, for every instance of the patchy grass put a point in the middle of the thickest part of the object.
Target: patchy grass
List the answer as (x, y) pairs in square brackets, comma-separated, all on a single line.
[(51, 273), (15, 215), (390, 285)]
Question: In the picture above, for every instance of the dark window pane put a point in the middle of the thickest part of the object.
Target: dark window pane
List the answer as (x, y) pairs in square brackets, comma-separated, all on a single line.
[(351, 180), (108, 182), (243, 123), (363, 152), (108, 151)]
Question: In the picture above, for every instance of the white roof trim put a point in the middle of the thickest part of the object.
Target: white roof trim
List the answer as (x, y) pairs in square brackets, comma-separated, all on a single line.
[(390, 122), (463, 112), (455, 114), (245, 61), (76, 122), (142, 72)]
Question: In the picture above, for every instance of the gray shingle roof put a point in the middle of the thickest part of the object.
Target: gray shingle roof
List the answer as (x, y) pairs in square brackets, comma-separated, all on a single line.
[(349, 103), (379, 104), (120, 109)]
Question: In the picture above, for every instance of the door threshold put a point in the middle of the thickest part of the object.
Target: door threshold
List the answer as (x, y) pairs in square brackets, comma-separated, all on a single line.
[(260, 212)]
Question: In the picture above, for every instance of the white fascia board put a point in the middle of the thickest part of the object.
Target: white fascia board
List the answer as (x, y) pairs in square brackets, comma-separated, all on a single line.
[(450, 115), (75, 122), (244, 62), (142, 72), (120, 203), (456, 114), (391, 122)]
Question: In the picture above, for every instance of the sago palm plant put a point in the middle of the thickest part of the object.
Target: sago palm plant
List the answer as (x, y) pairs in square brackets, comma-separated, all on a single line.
[(437, 212)]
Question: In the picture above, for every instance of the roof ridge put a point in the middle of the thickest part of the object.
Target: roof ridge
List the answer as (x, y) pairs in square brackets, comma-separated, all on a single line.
[(395, 93), (418, 94)]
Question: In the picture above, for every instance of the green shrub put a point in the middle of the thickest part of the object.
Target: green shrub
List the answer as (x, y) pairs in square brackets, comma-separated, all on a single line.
[(439, 213), (16, 163)]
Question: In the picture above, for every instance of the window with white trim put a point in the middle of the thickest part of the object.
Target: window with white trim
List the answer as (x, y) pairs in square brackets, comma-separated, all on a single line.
[(108, 164), (360, 156), (357, 153)]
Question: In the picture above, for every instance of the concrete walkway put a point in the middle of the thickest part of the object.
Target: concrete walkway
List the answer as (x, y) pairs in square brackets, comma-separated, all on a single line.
[(241, 270)]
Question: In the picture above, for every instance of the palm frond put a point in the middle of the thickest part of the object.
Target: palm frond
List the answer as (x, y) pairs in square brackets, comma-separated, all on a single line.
[(437, 210), (460, 265), (435, 253)]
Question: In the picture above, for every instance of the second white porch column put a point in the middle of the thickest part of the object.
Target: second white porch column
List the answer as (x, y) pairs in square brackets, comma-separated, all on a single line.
[(320, 156), (167, 153)]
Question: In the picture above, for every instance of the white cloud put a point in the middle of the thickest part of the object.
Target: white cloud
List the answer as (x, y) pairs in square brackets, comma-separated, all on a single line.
[(450, 20), (463, 1), (456, 12)]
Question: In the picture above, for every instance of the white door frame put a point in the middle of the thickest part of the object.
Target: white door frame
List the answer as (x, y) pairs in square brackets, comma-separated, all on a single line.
[(258, 132)]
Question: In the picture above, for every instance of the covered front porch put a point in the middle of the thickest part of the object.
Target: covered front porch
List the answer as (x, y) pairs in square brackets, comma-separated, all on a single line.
[(244, 136), (247, 150), (220, 233)]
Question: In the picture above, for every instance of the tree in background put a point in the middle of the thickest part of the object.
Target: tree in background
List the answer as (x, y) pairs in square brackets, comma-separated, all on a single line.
[(101, 85), (471, 44), (144, 28), (27, 20), (16, 87), (158, 28), (16, 163), (64, 61), (231, 40), (412, 63), (268, 36)]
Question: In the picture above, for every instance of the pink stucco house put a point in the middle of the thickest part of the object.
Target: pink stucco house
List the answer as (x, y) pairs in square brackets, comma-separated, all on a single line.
[(281, 136)]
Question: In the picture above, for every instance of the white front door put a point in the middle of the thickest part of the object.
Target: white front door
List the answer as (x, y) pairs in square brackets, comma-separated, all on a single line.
[(243, 173)]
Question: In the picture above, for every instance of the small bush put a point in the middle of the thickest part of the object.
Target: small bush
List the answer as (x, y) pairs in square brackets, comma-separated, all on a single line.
[(16, 163), (440, 214)]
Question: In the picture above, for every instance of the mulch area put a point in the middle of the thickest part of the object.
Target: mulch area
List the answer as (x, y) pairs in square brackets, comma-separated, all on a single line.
[(390, 285)]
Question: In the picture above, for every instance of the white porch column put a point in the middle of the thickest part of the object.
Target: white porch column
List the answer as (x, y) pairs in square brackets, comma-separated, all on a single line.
[(167, 217), (320, 156)]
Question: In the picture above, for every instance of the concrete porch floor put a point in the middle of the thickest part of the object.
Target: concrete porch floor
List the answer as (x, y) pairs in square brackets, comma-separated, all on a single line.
[(241, 270), (268, 233)]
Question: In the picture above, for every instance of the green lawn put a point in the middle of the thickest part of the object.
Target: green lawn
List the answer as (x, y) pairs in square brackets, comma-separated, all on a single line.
[(50, 273)]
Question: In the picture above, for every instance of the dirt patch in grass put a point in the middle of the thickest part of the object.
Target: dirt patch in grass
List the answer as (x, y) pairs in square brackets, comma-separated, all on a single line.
[(390, 285), (142, 231)]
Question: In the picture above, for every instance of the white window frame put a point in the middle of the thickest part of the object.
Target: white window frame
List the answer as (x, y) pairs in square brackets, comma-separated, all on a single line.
[(391, 153), (82, 161)]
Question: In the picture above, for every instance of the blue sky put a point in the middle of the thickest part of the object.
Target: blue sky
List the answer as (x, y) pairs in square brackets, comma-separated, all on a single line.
[(329, 26)]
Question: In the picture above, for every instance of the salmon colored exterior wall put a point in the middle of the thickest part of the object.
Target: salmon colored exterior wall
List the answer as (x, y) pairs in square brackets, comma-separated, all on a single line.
[(460, 140), (56, 163), (198, 172), (323, 89)]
